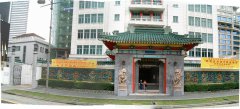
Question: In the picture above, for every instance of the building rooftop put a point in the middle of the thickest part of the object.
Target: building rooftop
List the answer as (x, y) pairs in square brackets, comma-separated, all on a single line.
[(28, 35)]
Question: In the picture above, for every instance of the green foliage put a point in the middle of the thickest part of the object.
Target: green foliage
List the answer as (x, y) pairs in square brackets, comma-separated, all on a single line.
[(78, 84), (210, 87)]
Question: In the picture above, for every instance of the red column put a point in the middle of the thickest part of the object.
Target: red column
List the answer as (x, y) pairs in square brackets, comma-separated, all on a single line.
[(151, 1), (165, 77), (161, 14), (151, 15), (131, 14), (133, 76), (141, 14)]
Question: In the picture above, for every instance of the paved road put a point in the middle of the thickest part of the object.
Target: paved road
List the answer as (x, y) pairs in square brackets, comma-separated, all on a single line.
[(24, 100)]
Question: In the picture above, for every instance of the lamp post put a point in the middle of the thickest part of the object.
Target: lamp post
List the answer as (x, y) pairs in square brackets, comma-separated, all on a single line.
[(49, 43)]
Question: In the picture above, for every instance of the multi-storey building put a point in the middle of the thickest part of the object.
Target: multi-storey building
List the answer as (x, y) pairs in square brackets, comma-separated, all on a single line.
[(94, 17), (24, 48), (229, 28), (18, 18), (62, 28)]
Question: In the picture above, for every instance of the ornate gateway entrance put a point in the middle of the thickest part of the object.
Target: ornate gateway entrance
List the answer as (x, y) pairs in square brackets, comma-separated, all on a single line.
[(153, 55)]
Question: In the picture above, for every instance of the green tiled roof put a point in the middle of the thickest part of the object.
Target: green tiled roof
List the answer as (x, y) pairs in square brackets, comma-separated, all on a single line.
[(149, 38)]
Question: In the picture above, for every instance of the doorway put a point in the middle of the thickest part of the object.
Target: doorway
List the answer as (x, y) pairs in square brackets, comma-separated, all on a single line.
[(151, 71)]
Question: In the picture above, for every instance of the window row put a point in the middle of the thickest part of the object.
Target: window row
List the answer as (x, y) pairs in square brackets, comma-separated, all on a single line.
[(225, 19), (225, 41), (200, 8), (201, 52), (89, 49), (197, 21), (90, 18), (90, 4), (224, 53), (223, 36), (89, 33), (205, 37), (224, 47)]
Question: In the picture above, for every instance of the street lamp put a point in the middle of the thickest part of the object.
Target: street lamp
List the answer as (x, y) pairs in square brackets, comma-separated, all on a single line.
[(49, 43)]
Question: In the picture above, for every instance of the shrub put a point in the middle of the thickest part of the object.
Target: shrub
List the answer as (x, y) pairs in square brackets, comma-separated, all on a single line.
[(210, 87), (78, 84)]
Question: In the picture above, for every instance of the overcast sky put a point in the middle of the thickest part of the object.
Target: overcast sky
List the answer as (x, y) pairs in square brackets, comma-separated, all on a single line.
[(39, 17)]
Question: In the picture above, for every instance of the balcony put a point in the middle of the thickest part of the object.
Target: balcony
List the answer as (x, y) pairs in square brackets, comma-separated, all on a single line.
[(146, 20), (147, 5)]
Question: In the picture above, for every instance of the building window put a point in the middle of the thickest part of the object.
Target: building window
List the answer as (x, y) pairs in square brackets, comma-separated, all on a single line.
[(228, 42), (92, 49), (175, 5), (18, 48), (81, 18), (228, 47), (210, 38), (197, 8), (197, 35), (203, 8), (191, 7), (117, 3), (204, 37), (100, 18), (191, 34), (86, 33), (210, 52), (87, 4), (99, 32), (229, 53), (209, 23), (86, 49), (191, 21), (222, 36), (229, 19), (79, 49), (204, 52), (197, 21), (81, 4), (87, 18), (191, 53), (116, 17), (198, 52), (94, 4), (99, 49), (93, 33), (175, 19), (209, 9), (100, 4), (80, 34), (204, 22), (93, 18), (219, 18), (224, 19), (222, 47)]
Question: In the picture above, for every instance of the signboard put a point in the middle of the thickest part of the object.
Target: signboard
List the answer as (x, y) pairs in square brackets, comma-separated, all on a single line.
[(219, 63), (74, 63)]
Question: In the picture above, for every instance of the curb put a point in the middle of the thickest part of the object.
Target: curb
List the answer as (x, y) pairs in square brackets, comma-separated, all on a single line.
[(8, 101)]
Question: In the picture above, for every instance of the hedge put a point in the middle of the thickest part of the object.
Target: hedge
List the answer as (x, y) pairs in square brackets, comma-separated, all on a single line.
[(110, 86), (77, 85), (210, 87)]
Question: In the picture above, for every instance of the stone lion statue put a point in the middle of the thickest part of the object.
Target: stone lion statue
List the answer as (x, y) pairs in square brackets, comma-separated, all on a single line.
[(122, 76), (177, 81)]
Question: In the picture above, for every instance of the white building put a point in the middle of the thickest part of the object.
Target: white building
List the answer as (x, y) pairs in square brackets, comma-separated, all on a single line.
[(25, 45), (92, 17)]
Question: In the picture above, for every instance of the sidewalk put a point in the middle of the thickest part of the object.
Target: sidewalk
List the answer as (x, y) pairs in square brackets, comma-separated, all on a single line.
[(110, 95)]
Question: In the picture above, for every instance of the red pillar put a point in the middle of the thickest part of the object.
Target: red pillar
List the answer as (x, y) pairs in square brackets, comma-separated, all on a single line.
[(151, 1), (131, 14), (141, 14), (151, 15), (165, 77), (133, 76), (161, 15)]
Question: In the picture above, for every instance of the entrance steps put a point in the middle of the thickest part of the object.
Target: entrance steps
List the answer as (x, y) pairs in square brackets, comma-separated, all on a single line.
[(148, 93)]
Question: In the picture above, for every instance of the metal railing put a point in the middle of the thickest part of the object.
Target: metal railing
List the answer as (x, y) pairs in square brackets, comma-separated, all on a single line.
[(146, 3), (146, 19)]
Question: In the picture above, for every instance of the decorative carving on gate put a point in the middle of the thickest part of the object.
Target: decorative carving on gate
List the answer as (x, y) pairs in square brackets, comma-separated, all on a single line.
[(122, 76), (177, 81), (17, 70)]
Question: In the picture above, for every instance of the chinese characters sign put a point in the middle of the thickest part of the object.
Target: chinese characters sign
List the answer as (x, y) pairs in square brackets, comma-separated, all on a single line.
[(218, 63), (74, 63)]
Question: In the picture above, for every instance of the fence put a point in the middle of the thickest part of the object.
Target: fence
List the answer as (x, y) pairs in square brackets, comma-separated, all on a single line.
[(80, 74), (208, 77)]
